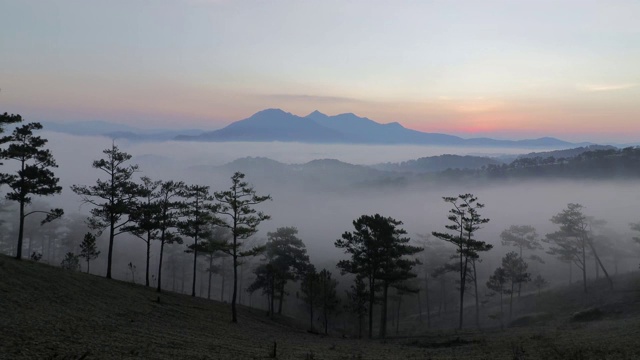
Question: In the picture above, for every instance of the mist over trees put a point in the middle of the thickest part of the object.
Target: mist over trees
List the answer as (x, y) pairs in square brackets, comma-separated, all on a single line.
[(194, 238)]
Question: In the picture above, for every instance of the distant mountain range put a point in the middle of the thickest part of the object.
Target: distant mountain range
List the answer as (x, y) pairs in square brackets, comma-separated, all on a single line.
[(331, 174), (438, 163), (276, 125), (116, 130)]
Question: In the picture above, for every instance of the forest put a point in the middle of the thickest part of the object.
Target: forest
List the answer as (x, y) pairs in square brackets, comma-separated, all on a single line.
[(380, 280)]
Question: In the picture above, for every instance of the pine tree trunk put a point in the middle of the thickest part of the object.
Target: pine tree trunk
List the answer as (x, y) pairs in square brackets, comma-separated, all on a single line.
[(420, 309), (195, 262), (210, 274), (240, 281), (520, 283), (511, 302), (160, 263), (426, 295), (235, 280), (281, 299), (398, 314), (584, 268), (20, 231), (501, 308), (110, 254), (475, 284), (606, 274), (222, 284), (372, 299), (383, 312), (463, 277), (146, 279)]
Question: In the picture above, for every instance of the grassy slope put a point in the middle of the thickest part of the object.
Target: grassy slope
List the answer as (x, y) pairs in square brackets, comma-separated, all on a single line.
[(49, 313)]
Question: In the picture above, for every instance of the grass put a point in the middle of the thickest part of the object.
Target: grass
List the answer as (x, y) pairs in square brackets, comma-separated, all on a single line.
[(49, 313)]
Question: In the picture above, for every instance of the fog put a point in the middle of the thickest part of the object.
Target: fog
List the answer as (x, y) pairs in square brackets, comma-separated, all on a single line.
[(323, 214), (323, 207)]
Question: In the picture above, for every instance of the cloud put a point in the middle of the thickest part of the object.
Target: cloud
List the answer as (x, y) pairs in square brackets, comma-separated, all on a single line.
[(311, 98), (606, 87)]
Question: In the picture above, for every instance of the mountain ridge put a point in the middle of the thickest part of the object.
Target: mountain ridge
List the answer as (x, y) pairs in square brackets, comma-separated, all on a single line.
[(317, 127)]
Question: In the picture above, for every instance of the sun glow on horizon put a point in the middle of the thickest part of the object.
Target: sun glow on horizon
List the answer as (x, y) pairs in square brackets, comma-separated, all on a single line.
[(472, 68)]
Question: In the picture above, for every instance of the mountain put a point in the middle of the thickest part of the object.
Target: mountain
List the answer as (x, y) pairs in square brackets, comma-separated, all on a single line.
[(325, 174), (438, 163), (272, 125), (567, 153), (116, 130), (278, 125)]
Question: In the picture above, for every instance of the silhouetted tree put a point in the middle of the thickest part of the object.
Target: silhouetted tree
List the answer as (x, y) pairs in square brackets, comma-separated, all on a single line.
[(266, 281), (328, 300), (379, 252), (70, 262), (237, 205), (211, 249), (112, 199), (7, 119), (285, 259), (522, 237), (168, 206), (466, 221), (197, 216), (88, 249), (33, 177), (602, 240), (357, 298), (144, 216), (573, 239), (540, 283), (434, 256), (309, 290), (288, 255), (515, 270), (496, 284)]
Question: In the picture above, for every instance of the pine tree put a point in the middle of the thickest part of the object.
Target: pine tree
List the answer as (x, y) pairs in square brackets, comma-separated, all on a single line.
[(237, 206), (466, 221), (113, 199), (34, 175), (88, 249), (380, 253), (197, 217)]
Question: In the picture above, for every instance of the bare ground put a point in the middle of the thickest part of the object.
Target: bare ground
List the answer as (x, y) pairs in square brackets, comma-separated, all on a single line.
[(49, 313)]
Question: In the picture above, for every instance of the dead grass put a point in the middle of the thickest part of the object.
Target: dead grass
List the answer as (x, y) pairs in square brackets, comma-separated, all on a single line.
[(48, 313)]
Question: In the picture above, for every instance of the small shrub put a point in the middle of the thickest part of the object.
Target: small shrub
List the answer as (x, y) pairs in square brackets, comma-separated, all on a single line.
[(587, 315), (71, 262), (36, 256)]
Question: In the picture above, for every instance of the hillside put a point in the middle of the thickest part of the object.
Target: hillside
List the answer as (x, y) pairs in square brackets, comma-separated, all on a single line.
[(438, 163), (49, 313)]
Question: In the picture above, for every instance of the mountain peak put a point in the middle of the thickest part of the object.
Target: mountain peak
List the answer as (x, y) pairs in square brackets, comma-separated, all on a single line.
[(316, 115), (271, 112)]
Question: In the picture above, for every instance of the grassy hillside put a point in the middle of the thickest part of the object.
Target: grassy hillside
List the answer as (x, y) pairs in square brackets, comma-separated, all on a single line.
[(49, 313)]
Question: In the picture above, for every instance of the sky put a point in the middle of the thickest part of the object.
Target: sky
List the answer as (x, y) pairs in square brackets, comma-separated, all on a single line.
[(505, 69)]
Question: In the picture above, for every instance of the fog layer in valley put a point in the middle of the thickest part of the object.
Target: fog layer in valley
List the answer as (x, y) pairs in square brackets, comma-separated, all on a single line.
[(323, 205), (322, 215)]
